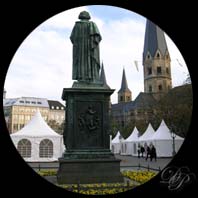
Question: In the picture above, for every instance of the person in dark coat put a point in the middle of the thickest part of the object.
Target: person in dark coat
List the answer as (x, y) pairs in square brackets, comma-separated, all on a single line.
[(139, 150), (153, 153), (142, 151), (148, 152)]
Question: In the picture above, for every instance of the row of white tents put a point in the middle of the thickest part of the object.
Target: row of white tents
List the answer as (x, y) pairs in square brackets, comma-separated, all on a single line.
[(38, 142), (162, 139)]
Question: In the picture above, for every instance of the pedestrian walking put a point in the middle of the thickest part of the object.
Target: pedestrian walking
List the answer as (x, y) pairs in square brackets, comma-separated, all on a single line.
[(139, 150), (153, 154), (148, 150), (142, 151)]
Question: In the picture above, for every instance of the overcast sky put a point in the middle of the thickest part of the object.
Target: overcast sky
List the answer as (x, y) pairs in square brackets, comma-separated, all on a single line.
[(42, 65)]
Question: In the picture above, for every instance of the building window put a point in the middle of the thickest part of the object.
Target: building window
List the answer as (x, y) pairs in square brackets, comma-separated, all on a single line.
[(158, 55), (21, 126), (149, 70), (24, 148), (150, 88), (21, 110), (148, 56), (21, 117), (39, 102), (167, 70), (46, 148), (27, 118), (121, 98), (27, 102), (160, 87), (15, 117), (21, 101), (33, 102), (15, 127), (159, 70)]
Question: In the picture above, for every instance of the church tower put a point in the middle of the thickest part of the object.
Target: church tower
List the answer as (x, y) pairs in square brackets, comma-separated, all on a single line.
[(124, 94), (156, 62)]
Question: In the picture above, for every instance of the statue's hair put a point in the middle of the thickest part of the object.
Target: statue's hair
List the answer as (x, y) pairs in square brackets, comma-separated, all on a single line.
[(84, 15)]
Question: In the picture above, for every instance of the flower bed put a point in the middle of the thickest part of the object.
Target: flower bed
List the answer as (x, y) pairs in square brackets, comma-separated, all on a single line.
[(49, 172), (139, 176), (99, 189)]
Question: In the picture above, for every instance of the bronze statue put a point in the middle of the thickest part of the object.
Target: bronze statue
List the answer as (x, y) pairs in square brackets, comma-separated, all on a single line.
[(85, 38)]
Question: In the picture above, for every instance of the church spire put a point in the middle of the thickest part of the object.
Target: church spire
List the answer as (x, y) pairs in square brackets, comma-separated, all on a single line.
[(103, 77), (124, 94), (154, 40), (124, 84), (156, 62)]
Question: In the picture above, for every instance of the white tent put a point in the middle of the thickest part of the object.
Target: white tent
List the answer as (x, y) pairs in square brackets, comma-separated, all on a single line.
[(37, 141), (130, 144), (147, 136), (116, 143), (163, 141)]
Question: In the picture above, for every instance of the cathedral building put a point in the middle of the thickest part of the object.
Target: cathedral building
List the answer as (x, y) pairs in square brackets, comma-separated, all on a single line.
[(157, 82)]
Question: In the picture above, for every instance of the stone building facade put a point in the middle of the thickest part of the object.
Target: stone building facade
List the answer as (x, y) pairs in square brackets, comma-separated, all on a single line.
[(19, 111)]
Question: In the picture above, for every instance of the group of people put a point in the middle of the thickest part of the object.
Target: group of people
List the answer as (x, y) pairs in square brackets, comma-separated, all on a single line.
[(149, 151)]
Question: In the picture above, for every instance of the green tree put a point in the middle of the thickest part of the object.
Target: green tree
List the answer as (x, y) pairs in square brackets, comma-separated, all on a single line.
[(176, 109), (56, 126)]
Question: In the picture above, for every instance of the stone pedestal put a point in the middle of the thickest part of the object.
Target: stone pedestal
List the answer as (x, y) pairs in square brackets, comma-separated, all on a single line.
[(87, 158), (89, 171)]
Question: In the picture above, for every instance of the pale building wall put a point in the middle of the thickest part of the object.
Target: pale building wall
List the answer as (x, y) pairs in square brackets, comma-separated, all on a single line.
[(21, 115)]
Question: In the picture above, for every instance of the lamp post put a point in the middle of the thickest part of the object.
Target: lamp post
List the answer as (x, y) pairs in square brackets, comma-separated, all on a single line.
[(173, 135)]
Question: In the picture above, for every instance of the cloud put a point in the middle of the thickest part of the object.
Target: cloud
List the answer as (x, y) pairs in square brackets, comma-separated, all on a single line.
[(42, 66)]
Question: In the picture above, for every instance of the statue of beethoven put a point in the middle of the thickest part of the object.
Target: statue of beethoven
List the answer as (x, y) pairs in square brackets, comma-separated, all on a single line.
[(85, 38)]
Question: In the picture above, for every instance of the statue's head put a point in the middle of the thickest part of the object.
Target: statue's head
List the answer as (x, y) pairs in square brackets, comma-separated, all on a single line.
[(84, 15)]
